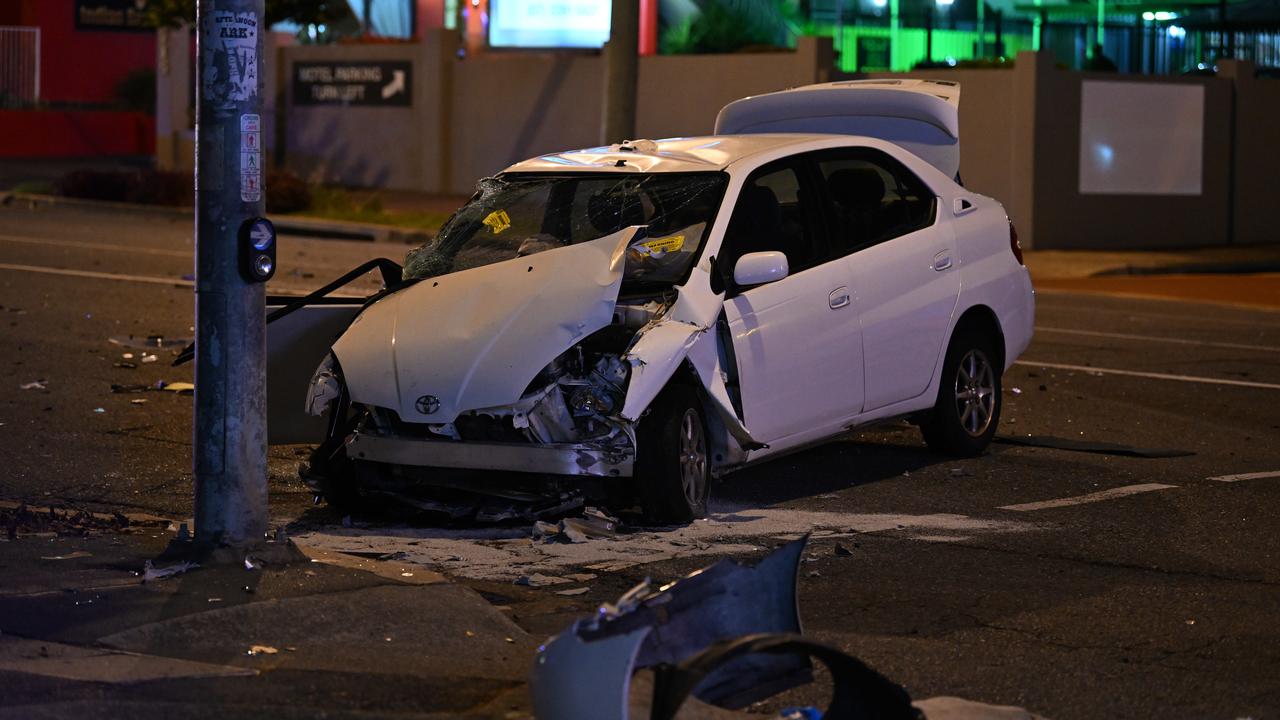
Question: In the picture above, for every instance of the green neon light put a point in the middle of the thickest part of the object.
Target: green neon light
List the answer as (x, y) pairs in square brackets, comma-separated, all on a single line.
[(895, 35), (1036, 23), (909, 45), (1102, 20)]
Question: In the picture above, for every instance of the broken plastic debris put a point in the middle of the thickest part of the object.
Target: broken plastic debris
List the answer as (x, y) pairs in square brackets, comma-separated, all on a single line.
[(150, 342), (138, 401), (262, 650), (593, 524), (1016, 391), (540, 580), (127, 356), (148, 359), (150, 572), (251, 564), (99, 410), (35, 385), (573, 591), (68, 556)]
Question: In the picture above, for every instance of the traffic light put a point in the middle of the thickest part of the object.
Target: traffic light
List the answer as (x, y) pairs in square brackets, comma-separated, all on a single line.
[(257, 250)]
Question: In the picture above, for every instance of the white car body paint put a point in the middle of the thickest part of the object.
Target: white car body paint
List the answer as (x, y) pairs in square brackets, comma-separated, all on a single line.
[(476, 338), (922, 116), (847, 342)]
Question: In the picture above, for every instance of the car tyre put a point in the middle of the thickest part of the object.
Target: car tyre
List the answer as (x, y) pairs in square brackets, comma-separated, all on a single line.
[(967, 411), (673, 468)]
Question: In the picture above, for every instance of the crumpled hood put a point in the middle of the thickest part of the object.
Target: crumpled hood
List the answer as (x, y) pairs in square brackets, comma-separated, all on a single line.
[(476, 339)]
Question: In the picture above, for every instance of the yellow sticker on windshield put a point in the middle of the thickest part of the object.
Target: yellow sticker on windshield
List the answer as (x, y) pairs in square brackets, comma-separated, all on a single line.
[(664, 245), (498, 220)]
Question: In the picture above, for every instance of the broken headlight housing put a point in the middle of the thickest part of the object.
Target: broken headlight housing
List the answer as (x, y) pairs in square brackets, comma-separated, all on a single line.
[(325, 386)]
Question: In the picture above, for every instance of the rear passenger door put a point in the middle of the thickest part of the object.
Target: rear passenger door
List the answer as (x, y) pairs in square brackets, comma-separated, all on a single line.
[(903, 263)]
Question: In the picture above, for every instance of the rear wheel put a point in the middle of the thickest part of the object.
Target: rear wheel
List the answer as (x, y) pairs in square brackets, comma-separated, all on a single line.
[(673, 469), (967, 411)]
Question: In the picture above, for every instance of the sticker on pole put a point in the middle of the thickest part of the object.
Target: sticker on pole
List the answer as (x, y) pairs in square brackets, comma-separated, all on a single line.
[(230, 60), (250, 158)]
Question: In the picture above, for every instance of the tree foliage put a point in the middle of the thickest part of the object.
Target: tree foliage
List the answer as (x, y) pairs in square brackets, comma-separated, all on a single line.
[(172, 13)]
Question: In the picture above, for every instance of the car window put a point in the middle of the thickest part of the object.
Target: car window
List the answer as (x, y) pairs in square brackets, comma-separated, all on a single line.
[(871, 198), (772, 213)]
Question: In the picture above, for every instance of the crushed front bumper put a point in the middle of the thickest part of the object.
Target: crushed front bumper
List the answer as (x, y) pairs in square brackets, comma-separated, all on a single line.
[(574, 459)]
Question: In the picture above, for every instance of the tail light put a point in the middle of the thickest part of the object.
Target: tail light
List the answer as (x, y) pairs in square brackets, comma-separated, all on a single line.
[(1014, 245)]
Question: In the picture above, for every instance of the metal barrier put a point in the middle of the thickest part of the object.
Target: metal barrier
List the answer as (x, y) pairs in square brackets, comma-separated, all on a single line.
[(19, 66)]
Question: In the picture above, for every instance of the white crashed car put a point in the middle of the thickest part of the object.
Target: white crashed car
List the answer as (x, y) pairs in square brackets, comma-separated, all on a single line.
[(640, 318)]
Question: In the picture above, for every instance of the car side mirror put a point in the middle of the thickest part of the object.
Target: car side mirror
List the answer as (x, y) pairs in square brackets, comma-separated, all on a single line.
[(760, 267)]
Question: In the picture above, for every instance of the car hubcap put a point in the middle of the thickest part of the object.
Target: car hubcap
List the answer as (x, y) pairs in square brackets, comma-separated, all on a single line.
[(693, 457), (975, 393)]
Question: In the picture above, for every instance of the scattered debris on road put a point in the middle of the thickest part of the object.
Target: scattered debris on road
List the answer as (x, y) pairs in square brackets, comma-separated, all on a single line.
[(594, 524), (262, 650), (41, 385), (151, 573)]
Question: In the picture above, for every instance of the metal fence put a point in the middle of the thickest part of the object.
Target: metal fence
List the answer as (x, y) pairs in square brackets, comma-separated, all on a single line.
[(19, 66)]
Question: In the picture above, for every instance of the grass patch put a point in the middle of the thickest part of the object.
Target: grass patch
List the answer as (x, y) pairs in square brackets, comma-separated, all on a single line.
[(33, 187), (339, 204)]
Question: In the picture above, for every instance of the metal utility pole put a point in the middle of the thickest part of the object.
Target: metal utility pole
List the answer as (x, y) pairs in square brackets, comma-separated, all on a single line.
[(621, 72), (230, 438)]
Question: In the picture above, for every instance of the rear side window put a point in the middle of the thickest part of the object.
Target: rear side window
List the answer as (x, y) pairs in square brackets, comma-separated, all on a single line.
[(871, 198)]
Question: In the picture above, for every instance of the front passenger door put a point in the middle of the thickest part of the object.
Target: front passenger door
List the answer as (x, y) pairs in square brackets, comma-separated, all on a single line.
[(796, 340)]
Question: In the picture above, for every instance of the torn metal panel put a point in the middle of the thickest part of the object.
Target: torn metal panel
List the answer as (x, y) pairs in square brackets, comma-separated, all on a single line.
[(476, 338), (656, 356)]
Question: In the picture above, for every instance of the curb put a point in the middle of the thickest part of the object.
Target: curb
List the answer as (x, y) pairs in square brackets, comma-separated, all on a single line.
[(1219, 268), (285, 224)]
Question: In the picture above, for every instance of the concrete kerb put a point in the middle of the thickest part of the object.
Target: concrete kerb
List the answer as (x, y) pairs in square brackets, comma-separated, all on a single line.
[(285, 224)]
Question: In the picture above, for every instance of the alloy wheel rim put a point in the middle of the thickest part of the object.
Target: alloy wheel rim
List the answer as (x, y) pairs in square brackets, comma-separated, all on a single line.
[(693, 457), (975, 393)]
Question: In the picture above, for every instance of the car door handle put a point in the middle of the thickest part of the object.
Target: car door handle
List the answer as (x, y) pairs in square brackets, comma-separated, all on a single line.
[(839, 298), (942, 261), (961, 206)]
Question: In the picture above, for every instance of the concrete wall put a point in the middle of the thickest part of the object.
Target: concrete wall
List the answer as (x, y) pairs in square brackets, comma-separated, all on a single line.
[(372, 146), (1257, 153), (475, 116), (1065, 218), (1020, 143), (1020, 129)]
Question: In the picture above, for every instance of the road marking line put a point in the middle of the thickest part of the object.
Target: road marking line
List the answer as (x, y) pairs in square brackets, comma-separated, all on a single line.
[(97, 275), (275, 289), (1153, 338), (1090, 498), (185, 254), (1154, 376), (1246, 476)]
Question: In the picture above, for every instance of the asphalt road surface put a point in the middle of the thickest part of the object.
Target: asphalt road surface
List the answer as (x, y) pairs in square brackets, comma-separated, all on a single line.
[(1076, 584)]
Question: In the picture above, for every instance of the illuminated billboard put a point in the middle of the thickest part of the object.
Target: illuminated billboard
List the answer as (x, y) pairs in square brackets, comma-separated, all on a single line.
[(548, 23)]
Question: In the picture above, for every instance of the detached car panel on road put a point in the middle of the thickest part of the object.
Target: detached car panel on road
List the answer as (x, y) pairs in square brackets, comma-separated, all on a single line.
[(668, 311)]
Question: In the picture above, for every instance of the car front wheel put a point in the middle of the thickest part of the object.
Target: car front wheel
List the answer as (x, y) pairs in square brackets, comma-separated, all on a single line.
[(673, 470), (967, 411)]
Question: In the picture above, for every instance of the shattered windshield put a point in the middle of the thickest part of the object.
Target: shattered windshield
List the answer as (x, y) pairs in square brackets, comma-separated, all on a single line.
[(519, 214)]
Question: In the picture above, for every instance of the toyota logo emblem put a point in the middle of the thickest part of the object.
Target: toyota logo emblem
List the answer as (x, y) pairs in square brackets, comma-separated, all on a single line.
[(427, 404)]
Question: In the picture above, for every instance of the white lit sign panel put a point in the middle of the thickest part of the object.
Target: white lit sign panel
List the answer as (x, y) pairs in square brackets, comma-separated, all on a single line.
[(549, 23), (1141, 138)]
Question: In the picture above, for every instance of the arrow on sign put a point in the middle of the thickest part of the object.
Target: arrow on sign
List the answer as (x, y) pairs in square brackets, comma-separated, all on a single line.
[(396, 86)]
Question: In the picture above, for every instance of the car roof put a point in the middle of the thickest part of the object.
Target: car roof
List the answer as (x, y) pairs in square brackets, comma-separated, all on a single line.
[(688, 154)]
